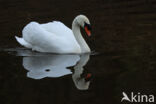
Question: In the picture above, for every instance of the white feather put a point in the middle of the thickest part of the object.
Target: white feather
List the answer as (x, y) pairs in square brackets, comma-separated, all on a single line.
[(23, 42), (53, 37), (50, 37)]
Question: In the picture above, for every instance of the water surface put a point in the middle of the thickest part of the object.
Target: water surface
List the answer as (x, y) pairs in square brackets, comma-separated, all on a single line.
[(31, 77)]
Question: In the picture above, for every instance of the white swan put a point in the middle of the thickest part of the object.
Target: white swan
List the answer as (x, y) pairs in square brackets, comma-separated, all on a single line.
[(55, 37)]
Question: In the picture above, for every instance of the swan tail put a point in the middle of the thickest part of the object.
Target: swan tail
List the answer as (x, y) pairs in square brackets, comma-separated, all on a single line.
[(23, 42)]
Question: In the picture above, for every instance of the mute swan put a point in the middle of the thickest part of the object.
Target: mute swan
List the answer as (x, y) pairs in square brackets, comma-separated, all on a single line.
[(55, 37)]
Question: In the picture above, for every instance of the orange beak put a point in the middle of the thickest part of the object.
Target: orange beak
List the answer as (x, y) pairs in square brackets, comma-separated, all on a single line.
[(87, 31)]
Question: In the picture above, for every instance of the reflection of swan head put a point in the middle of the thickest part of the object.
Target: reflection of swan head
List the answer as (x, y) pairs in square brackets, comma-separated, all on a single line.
[(82, 83)]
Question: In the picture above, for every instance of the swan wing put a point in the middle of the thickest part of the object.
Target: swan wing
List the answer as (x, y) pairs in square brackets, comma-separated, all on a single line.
[(23, 42), (59, 29), (46, 41)]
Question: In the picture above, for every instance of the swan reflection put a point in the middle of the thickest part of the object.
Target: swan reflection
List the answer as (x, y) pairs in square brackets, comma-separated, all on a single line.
[(53, 66), (81, 83), (49, 66)]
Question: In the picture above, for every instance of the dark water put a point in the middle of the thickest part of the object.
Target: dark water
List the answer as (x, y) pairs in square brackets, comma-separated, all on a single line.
[(124, 60)]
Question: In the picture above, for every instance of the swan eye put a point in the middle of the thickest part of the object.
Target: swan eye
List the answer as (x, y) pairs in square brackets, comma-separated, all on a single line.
[(88, 26)]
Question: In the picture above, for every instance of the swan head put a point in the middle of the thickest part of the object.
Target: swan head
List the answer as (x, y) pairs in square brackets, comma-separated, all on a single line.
[(83, 21)]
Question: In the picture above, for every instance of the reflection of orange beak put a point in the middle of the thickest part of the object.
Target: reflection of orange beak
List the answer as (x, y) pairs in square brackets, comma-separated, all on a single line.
[(88, 77), (87, 31)]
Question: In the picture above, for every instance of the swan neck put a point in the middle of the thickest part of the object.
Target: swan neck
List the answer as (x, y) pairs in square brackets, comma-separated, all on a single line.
[(77, 33)]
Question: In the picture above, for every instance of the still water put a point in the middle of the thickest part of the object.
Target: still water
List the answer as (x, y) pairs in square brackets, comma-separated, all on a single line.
[(43, 65), (32, 77)]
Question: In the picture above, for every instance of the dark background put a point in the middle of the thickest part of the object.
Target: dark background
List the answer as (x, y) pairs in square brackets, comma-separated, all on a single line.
[(117, 25), (124, 31)]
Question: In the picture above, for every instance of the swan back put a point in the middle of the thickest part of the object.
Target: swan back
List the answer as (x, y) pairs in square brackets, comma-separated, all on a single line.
[(58, 28)]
